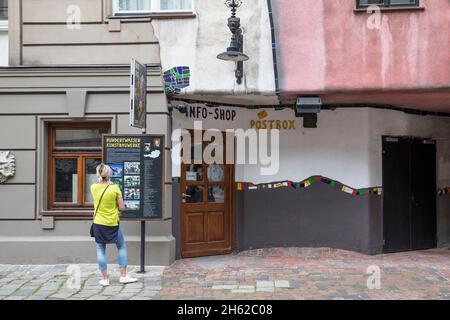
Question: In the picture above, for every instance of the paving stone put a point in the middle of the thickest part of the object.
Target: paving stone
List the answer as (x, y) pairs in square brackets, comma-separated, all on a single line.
[(264, 284), (62, 295), (131, 290), (147, 294), (265, 289), (112, 290), (15, 298), (80, 297), (126, 296), (98, 297), (244, 289), (282, 284), (46, 287), (307, 273), (153, 287), (7, 292), (140, 298), (25, 293), (224, 287), (136, 285), (35, 298)]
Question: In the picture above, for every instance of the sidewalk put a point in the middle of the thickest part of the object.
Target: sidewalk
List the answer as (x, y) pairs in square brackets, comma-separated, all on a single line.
[(291, 273)]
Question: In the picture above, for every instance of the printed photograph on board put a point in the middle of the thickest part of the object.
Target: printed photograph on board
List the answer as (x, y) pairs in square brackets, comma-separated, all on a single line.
[(132, 168), (116, 170), (132, 193), (132, 205), (132, 181)]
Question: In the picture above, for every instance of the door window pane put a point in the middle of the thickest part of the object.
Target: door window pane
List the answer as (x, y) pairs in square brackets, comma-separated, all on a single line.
[(216, 194), (79, 137), (216, 173), (194, 172), (194, 194), (90, 167), (66, 180)]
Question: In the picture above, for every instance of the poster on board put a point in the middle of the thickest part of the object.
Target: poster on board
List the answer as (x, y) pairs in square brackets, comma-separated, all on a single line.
[(138, 94), (137, 164)]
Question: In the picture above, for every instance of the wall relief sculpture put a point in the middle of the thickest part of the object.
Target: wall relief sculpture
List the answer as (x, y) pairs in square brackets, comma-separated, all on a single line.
[(7, 165)]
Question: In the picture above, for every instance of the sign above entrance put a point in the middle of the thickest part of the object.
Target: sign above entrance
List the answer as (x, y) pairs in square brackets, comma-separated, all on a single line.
[(225, 117), (137, 168), (138, 94), (208, 113)]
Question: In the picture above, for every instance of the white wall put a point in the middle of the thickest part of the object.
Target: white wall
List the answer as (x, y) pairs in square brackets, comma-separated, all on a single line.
[(338, 149), (196, 42), (345, 147)]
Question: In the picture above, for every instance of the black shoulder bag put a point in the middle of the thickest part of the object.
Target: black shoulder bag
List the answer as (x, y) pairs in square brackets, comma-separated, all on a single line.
[(95, 213)]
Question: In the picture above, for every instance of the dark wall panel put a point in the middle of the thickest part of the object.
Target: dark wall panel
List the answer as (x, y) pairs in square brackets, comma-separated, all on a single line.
[(318, 216)]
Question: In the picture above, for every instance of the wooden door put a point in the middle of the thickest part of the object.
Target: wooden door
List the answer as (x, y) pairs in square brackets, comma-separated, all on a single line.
[(206, 207)]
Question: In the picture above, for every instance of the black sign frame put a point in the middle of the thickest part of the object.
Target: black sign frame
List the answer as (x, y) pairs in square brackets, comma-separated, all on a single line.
[(140, 216)]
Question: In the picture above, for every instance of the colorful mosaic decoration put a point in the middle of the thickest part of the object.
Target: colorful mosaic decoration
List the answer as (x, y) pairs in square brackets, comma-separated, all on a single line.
[(307, 183), (176, 79)]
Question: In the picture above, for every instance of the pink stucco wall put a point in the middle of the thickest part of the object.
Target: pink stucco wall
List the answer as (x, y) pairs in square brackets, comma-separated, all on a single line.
[(326, 47)]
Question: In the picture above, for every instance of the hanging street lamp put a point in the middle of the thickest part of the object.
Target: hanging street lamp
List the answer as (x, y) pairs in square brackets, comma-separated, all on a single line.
[(235, 50)]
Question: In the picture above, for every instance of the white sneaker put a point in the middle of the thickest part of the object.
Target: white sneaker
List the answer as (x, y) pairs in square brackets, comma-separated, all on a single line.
[(104, 282), (127, 279)]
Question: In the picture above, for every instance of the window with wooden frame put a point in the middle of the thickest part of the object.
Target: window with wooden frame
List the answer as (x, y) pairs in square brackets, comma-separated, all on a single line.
[(74, 152), (387, 3)]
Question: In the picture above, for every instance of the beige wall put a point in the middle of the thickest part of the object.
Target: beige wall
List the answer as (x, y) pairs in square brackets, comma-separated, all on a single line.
[(30, 98), (61, 73), (42, 36)]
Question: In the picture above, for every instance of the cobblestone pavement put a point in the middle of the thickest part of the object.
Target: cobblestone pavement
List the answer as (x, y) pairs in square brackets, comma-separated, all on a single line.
[(290, 273)]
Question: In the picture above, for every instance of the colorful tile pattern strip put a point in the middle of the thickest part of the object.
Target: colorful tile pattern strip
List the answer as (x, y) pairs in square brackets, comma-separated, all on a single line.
[(307, 183), (176, 79), (316, 179)]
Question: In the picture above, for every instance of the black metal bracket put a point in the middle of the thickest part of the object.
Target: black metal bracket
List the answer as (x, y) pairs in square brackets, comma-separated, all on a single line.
[(239, 73)]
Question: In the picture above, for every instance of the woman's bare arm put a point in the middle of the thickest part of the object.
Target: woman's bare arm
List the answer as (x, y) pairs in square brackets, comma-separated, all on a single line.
[(120, 204)]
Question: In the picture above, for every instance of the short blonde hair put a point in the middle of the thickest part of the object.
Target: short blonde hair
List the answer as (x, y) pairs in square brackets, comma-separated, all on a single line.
[(103, 172)]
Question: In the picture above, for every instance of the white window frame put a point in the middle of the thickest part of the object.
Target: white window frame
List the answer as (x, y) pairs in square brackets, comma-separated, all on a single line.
[(155, 7)]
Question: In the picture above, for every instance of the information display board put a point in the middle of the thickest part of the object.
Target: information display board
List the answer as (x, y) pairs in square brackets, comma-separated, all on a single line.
[(137, 163)]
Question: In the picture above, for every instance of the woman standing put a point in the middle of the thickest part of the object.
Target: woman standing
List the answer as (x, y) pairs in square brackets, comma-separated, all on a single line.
[(106, 229)]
